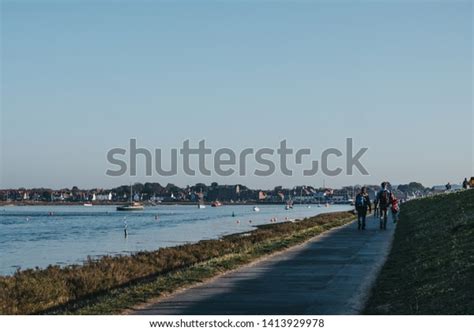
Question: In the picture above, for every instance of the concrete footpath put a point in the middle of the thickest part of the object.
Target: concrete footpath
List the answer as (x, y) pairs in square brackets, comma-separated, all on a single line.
[(331, 274)]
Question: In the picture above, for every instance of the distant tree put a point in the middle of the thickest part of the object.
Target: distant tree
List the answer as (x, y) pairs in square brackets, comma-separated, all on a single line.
[(171, 188), (199, 187), (138, 188), (411, 187), (122, 190), (46, 195), (416, 186), (152, 189)]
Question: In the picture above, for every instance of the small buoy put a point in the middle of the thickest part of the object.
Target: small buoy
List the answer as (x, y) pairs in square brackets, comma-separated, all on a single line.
[(250, 221), (27, 219), (238, 222), (233, 214), (156, 218)]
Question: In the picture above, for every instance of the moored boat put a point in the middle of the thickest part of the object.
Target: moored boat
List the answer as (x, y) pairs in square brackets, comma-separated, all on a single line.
[(134, 206), (131, 206), (216, 204)]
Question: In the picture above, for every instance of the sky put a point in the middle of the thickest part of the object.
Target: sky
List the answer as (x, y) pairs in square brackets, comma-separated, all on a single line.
[(81, 78)]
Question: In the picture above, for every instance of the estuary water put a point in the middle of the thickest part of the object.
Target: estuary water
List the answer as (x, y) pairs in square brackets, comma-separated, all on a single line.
[(38, 236)]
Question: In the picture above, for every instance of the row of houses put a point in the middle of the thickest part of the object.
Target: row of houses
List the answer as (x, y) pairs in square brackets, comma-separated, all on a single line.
[(156, 193), (53, 195)]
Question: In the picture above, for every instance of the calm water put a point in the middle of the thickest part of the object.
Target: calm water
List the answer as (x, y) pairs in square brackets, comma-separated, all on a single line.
[(31, 237)]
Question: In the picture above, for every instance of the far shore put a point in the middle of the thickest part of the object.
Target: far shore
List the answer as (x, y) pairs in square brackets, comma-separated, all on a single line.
[(117, 203)]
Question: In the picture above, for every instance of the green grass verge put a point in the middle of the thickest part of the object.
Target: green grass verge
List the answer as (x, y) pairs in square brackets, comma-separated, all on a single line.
[(111, 285), (430, 269)]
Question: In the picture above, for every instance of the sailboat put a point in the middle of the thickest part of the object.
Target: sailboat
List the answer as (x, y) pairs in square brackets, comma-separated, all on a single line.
[(131, 206)]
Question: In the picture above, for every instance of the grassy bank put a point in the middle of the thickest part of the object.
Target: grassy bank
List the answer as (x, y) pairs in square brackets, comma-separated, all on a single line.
[(430, 269), (112, 284)]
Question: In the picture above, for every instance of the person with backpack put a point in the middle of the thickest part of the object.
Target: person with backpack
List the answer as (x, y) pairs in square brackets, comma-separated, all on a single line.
[(362, 204), (383, 201), (448, 187)]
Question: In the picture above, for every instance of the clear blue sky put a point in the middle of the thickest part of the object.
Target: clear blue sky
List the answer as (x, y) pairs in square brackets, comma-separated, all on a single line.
[(79, 78)]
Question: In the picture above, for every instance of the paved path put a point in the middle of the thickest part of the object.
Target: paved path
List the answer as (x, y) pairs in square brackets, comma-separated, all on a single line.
[(330, 274)]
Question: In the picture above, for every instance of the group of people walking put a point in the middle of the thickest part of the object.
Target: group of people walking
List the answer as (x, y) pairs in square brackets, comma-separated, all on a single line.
[(384, 202), (466, 184)]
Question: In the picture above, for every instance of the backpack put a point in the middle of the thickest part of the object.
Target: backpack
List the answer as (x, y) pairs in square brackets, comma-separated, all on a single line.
[(360, 201), (385, 198)]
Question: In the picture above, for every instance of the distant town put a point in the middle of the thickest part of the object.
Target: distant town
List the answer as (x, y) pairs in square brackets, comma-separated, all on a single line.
[(154, 193)]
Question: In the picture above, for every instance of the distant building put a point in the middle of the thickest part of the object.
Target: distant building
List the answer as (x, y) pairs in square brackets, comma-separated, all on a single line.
[(104, 197)]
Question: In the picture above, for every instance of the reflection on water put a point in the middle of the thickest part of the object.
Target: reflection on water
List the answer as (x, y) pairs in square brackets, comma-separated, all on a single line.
[(42, 235)]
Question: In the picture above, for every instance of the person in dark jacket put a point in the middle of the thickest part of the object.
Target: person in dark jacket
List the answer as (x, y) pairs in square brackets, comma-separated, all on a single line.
[(465, 184), (448, 187), (383, 200), (362, 204)]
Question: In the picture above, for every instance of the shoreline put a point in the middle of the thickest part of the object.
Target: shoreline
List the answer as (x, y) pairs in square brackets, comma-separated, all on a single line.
[(111, 277), (147, 230), (177, 203)]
